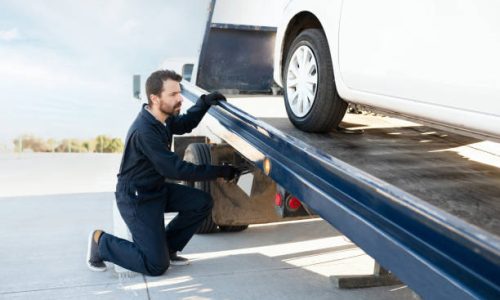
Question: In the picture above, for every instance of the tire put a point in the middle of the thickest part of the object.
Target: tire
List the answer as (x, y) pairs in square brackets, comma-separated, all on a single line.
[(321, 109), (200, 154), (233, 228)]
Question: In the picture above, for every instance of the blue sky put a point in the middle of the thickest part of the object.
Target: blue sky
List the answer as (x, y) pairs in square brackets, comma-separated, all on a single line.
[(66, 66)]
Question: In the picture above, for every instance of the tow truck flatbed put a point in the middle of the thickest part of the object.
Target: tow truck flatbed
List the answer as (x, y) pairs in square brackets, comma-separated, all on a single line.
[(410, 196), (443, 169)]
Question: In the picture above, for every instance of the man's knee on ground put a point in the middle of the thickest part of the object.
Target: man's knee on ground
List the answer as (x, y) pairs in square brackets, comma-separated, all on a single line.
[(158, 268)]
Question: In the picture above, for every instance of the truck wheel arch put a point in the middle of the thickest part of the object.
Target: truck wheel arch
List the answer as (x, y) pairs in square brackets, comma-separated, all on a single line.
[(301, 21)]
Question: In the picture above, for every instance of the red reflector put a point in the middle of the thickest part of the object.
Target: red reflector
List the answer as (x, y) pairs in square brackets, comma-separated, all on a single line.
[(278, 200), (294, 203)]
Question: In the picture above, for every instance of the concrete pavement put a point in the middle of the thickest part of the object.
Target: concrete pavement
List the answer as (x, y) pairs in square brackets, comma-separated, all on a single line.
[(44, 236)]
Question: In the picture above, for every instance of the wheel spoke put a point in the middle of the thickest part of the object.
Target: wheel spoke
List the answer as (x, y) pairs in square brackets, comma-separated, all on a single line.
[(309, 62), (312, 79), (304, 59), (293, 69), (301, 103), (310, 96), (293, 97), (311, 68), (307, 103), (292, 82)]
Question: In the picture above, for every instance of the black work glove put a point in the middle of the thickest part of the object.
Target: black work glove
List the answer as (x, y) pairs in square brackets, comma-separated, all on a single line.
[(212, 98), (229, 172)]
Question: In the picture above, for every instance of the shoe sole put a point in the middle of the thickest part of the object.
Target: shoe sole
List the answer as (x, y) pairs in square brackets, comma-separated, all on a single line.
[(89, 249), (179, 263)]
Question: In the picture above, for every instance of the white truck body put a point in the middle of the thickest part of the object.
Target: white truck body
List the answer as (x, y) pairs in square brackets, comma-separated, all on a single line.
[(433, 60)]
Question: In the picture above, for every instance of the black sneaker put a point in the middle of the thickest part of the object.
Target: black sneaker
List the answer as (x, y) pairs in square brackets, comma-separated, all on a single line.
[(177, 260), (94, 261)]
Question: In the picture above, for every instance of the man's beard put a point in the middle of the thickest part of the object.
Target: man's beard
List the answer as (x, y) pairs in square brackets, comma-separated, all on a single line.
[(172, 112)]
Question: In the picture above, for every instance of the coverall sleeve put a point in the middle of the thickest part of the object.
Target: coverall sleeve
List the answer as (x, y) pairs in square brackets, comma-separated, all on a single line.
[(188, 121), (169, 165)]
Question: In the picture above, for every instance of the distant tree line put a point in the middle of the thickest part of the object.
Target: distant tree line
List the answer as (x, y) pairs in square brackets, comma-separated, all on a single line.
[(101, 144)]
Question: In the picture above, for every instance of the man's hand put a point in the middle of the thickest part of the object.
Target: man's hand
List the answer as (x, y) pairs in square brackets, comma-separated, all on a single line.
[(229, 172), (213, 98)]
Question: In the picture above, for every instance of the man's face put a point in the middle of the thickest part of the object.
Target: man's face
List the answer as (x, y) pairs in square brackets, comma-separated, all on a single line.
[(170, 100)]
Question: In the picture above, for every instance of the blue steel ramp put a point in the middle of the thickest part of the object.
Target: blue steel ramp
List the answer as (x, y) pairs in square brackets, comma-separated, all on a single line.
[(439, 255)]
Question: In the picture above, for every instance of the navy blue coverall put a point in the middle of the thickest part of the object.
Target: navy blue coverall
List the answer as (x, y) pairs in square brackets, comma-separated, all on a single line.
[(143, 196)]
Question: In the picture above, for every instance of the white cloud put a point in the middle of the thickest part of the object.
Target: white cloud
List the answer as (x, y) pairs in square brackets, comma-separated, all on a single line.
[(9, 34)]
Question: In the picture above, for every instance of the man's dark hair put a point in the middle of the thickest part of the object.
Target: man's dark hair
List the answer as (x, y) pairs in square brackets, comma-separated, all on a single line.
[(154, 83)]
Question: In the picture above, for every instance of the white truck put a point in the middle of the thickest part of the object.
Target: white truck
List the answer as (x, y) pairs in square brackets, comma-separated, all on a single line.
[(413, 197), (435, 61)]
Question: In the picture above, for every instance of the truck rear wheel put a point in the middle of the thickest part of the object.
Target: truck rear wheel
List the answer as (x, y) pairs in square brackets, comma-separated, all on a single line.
[(200, 154), (311, 98), (232, 228)]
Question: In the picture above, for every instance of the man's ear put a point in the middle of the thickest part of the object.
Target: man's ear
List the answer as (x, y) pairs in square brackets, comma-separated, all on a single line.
[(154, 98)]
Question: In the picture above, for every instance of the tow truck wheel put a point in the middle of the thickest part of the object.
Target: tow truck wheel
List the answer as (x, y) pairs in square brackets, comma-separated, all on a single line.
[(200, 154), (233, 228), (311, 98)]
